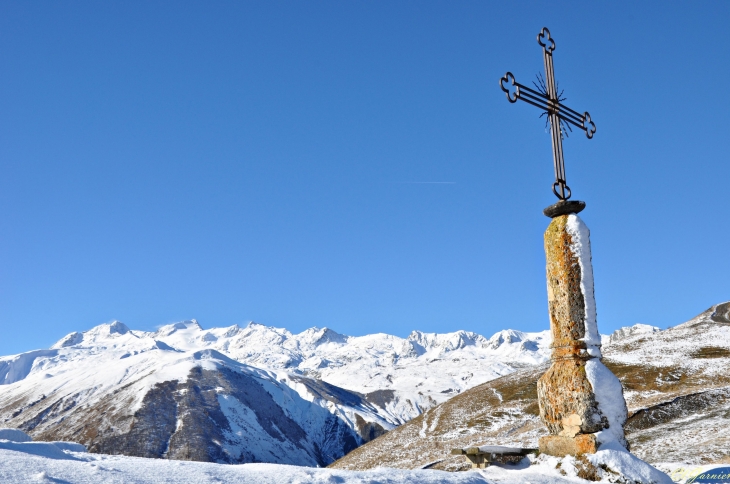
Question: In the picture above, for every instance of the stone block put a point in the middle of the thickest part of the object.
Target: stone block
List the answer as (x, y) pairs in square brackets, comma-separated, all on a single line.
[(565, 396), (561, 446)]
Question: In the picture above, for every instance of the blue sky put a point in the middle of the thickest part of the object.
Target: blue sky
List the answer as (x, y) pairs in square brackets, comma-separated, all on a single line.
[(236, 161)]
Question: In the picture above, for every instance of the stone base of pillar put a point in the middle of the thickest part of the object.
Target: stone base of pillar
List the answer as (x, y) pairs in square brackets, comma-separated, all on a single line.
[(567, 402), (561, 446)]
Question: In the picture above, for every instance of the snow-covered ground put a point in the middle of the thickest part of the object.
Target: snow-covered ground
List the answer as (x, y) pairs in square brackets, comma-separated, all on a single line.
[(20, 463), (24, 461)]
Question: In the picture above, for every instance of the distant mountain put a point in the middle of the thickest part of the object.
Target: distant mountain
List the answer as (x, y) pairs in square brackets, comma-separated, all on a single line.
[(128, 392), (244, 394), (676, 383)]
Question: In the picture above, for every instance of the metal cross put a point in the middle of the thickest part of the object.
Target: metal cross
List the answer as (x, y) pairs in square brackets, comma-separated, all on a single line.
[(547, 99)]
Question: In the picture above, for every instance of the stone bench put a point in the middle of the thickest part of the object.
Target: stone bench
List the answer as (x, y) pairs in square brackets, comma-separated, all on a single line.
[(483, 456)]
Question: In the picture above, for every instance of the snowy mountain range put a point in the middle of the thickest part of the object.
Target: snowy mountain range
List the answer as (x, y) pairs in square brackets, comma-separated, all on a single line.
[(245, 394), (263, 394)]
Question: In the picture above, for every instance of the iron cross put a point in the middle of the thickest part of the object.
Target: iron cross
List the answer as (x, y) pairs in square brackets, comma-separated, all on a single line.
[(548, 99)]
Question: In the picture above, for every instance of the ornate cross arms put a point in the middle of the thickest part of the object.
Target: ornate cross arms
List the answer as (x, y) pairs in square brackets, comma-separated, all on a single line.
[(547, 98)]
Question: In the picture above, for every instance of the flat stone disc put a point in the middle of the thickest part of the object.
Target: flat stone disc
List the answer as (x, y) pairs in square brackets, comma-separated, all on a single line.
[(564, 207)]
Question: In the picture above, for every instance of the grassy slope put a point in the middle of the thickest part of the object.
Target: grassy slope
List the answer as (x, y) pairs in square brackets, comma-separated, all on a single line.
[(676, 384)]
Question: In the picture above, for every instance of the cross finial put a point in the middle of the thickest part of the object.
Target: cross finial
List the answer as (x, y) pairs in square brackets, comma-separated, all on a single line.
[(547, 42), (559, 115)]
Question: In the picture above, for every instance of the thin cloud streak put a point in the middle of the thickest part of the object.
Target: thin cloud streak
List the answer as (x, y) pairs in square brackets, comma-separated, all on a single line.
[(423, 183)]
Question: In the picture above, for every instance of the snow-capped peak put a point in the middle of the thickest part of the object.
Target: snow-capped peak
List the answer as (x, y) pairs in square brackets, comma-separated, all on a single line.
[(118, 327), (627, 331), (316, 336), (168, 329), (70, 339), (505, 336), (103, 332), (446, 342)]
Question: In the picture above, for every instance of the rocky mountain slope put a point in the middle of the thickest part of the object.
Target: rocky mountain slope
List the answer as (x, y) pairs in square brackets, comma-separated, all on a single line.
[(123, 392), (251, 394), (676, 384), (404, 375)]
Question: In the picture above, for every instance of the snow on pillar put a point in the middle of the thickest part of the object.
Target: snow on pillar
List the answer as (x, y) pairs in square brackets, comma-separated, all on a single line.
[(581, 401)]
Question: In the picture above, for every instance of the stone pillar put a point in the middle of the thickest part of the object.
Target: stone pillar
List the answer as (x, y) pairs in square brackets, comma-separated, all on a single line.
[(581, 401)]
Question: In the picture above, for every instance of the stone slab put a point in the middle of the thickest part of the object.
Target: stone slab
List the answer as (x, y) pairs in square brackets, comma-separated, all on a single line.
[(561, 446), (564, 207)]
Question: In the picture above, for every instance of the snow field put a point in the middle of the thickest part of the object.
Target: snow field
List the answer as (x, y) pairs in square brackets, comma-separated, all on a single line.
[(34, 462)]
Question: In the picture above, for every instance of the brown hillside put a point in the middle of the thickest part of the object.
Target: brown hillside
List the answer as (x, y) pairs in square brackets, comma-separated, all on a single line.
[(676, 383)]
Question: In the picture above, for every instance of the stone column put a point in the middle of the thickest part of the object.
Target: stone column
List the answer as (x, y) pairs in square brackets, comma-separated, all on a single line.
[(581, 401)]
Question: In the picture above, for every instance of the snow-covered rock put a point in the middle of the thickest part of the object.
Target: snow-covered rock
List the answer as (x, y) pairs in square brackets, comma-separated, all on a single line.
[(614, 457)]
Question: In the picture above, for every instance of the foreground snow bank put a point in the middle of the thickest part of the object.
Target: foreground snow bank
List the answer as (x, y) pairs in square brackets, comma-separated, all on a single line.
[(14, 439), (610, 464), (14, 435), (22, 460), (33, 462), (614, 457)]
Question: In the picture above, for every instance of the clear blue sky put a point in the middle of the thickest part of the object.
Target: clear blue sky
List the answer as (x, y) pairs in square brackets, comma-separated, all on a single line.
[(235, 161)]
